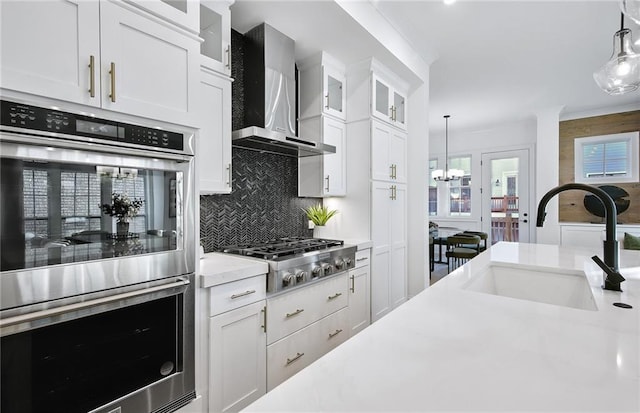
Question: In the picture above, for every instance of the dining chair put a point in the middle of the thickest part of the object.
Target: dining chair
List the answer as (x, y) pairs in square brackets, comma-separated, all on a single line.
[(460, 249), (483, 237)]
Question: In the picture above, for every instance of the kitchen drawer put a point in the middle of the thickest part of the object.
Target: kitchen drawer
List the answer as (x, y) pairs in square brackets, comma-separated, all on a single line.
[(225, 297), (294, 310), (363, 257), (288, 356)]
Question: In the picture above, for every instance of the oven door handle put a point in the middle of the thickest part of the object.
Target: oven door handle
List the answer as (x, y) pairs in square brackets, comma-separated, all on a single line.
[(180, 285)]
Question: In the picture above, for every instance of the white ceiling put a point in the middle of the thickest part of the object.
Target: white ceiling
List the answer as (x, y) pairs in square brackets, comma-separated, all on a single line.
[(498, 61)]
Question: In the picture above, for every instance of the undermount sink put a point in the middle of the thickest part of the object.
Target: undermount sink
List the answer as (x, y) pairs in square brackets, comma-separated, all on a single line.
[(568, 288)]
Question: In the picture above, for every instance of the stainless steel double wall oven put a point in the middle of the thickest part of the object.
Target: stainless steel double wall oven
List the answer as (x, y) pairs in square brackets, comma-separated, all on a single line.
[(95, 318)]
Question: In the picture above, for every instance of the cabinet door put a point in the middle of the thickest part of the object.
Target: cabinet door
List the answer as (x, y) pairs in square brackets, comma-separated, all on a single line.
[(238, 366), (399, 110), (334, 92), (381, 166), (381, 101), (148, 69), (381, 251), (359, 314), (398, 155), (398, 232), (335, 164), (215, 30), (213, 152), (46, 49)]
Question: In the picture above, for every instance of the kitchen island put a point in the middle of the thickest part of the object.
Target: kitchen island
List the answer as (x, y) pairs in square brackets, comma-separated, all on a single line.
[(453, 348)]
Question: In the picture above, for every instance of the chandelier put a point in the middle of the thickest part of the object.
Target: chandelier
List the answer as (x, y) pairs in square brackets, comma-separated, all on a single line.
[(621, 74), (448, 174)]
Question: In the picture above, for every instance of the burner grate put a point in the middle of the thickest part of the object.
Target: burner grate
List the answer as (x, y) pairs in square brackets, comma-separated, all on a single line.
[(282, 247)]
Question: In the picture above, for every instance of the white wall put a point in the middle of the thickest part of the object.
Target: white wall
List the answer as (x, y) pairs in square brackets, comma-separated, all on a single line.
[(417, 194)]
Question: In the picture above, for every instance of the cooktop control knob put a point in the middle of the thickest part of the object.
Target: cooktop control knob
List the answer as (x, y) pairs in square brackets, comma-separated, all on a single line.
[(340, 263), (316, 272), (300, 276), (287, 279), (348, 261), (327, 268)]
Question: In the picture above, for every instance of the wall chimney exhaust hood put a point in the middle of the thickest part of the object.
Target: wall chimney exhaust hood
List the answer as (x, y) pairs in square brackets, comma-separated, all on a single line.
[(269, 97)]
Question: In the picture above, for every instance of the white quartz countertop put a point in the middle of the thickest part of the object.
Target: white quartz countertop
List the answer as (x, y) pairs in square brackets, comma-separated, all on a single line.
[(219, 268), (449, 348)]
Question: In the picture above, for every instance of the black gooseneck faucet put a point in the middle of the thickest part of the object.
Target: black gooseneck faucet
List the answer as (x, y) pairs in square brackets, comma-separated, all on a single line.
[(612, 278)]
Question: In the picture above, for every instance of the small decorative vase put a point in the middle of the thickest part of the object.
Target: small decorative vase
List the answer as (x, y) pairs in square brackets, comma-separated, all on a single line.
[(320, 231), (122, 229)]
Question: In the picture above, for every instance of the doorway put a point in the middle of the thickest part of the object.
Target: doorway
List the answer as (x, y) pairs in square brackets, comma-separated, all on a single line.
[(505, 196)]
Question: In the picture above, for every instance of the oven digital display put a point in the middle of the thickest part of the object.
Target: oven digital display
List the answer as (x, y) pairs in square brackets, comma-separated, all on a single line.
[(101, 129)]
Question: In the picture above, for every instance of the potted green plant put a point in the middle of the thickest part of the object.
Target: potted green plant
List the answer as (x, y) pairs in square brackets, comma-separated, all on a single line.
[(319, 215), (122, 208)]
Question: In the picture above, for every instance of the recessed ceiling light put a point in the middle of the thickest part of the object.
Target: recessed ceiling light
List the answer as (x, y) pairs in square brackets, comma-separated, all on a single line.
[(447, 2)]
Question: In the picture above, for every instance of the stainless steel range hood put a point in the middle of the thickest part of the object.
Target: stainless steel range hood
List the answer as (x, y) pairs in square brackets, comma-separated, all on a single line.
[(269, 97)]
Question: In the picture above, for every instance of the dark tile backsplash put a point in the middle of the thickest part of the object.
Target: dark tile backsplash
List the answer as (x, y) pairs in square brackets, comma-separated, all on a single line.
[(263, 204)]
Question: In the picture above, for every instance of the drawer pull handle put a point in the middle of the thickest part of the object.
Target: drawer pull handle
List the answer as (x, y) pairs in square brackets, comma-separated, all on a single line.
[(353, 283), (338, 331), (298, 355), (336, 295), (234, 296), (361, 259), (298, 311), (264, 312)]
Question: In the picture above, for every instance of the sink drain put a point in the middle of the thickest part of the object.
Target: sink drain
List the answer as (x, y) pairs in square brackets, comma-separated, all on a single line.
[(622, 305)]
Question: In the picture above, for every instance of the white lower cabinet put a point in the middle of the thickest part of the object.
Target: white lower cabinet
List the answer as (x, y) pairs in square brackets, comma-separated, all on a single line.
[(359, 293), (388, 256), (305, 324), (238, 342), (291, 354)]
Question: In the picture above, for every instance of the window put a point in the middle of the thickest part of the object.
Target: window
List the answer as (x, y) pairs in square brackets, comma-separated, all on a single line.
[(433, 189), (460, 190), (607, 158)]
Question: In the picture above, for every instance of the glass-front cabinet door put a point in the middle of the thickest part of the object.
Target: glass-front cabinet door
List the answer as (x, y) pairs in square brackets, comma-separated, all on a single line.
[(381, 104), (334, 92), (399, 113), (215, 29), (181, 12)]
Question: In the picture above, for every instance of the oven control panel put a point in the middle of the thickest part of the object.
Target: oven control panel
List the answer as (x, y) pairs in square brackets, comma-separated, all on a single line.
[(36, 118)]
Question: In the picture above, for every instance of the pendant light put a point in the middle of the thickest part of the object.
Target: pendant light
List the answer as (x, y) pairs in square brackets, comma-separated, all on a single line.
[(621, 74), (448, 174), (631, 8)]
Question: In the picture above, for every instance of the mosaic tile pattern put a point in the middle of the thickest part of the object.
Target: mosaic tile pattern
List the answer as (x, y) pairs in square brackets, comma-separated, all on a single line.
[(237, 87), (262, 205)]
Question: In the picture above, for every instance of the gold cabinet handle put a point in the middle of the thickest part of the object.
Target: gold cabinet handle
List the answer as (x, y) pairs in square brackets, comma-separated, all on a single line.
[(395, 113), (229, 175), (264, 319), (248, 292), (333, 297), (353, 283), (395, 192), (327, 179), (391, 112), (327, 97), (298, 311), (391, 171), (298, 355), (338, 331), (228, 52), (112, 73), (92, 76), (391, 190)]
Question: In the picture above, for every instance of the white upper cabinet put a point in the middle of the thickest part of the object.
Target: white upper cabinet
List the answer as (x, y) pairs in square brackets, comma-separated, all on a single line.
[(104, 54), (183, 13), (388, 153), (323, 175), (215, 30), (388, 101), (214, 139), (323, 87), (147, 68), (47, 48)]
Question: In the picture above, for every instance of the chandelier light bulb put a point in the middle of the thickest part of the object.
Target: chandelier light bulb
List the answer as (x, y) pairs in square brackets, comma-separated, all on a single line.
[(447, 174)]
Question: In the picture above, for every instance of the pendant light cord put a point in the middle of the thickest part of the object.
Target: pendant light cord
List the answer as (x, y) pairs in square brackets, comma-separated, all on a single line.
[(446, 146)]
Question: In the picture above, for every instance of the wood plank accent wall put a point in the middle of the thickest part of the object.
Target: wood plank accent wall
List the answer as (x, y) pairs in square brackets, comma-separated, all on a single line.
[(571, 207)]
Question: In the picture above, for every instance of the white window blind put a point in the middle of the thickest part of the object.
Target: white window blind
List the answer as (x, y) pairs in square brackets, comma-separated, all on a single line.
[(606, 158)]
